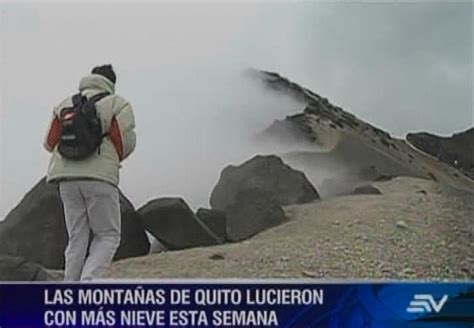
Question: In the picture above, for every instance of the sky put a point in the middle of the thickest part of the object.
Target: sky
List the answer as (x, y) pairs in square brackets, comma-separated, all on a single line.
[(402, 66)]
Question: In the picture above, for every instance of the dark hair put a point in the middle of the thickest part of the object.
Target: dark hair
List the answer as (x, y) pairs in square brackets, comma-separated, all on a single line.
[(106, 71)]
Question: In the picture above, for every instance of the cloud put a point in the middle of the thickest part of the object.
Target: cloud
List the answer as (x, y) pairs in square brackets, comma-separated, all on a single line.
[(401, 66)]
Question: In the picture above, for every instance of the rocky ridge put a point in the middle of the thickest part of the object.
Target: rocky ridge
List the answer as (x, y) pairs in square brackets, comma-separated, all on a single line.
[(362, 151)]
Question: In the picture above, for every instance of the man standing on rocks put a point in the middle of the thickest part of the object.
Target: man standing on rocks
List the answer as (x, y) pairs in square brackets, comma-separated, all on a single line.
[(89, 135)]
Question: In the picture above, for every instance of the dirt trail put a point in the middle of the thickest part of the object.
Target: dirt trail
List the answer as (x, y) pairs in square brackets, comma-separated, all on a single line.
[(415, 230)]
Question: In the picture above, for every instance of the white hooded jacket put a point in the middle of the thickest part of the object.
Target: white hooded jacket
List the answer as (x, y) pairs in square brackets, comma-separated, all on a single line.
[(117, 120)]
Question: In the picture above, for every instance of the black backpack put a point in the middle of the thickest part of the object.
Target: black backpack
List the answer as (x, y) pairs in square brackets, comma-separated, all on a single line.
[(81, 130)]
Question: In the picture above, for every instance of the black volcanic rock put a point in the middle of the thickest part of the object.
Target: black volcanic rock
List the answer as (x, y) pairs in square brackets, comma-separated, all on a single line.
[(366, 190), (252, 212), (35, 228), (215, 220), (134, 239), (13, 268), (457, 150), (173, 223), (265, 173)]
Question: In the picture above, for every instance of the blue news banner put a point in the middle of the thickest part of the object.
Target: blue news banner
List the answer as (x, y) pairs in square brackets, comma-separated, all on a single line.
[(242, 304)]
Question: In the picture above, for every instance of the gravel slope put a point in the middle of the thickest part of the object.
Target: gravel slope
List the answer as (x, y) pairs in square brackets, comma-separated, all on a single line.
[(415, 230)]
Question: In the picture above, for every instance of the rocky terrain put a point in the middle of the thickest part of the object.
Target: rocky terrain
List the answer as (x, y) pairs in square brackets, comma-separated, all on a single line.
[(389, 210), (355, 203), (456, 150), (415, 230), (348, 150)]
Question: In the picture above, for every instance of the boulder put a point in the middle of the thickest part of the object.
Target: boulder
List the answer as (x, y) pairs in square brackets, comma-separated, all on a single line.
[(173, 223), (134, 239), (215, 220), (268, 174), (35, 228), (14, 268), (253, 211), (366, 190)]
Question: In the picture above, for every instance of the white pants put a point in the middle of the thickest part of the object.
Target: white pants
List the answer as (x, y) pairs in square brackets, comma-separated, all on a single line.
[(90, 208)]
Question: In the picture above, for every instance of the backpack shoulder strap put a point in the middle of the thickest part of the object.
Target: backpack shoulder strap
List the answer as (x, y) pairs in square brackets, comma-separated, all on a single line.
[(77, 99), (98, 97)]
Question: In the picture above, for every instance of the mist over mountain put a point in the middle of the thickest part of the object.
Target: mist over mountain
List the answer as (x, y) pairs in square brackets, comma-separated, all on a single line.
[(399, 66)]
